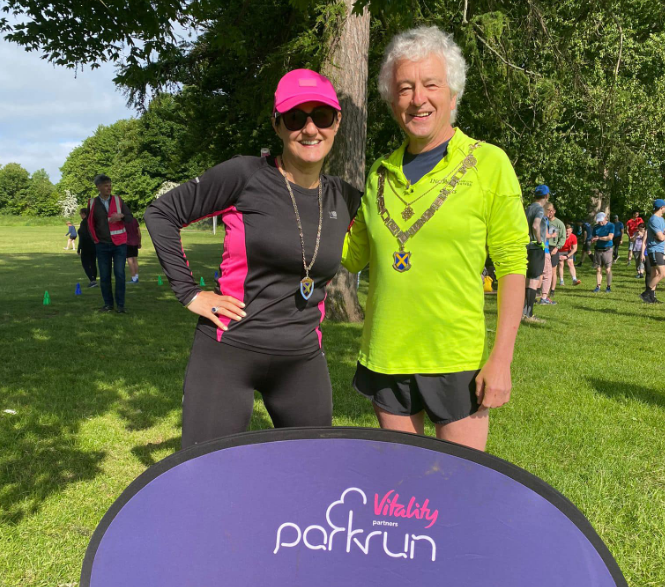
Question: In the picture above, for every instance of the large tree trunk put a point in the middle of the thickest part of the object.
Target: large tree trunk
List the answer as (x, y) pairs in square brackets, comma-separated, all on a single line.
[(599, 201), (347, 69)]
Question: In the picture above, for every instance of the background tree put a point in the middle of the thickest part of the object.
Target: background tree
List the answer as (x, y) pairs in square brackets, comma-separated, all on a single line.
[(346, 66), (41, 196), (14, 184), (571, 90)]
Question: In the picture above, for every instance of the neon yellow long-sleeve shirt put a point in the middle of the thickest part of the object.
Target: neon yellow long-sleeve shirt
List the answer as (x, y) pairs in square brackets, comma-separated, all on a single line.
[(430, 318)]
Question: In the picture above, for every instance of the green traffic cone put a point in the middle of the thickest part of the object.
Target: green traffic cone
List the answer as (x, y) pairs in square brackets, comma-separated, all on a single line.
[(202, 283), (47, 299), (159, 280)]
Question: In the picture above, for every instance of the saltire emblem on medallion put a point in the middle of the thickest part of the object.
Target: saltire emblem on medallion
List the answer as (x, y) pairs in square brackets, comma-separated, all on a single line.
[(402, 261), (307, 287)]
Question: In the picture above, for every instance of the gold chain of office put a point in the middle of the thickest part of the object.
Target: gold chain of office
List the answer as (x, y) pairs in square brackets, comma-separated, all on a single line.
[(448, 188)]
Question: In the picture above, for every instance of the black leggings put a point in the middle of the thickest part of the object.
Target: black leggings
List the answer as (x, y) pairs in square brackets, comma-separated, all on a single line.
[(219, 390), (89, 262)]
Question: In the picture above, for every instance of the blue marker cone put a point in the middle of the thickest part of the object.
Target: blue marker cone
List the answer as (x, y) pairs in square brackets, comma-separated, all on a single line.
[(78, 290), (216, 276)]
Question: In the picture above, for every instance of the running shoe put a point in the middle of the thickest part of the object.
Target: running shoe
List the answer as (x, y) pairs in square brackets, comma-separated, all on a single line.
[(532, 320), (93, 284), (106, 309), (121, 311), (561, 282), (646, 298), (597, 290), (608, 289), (547, 302), (576, 281)]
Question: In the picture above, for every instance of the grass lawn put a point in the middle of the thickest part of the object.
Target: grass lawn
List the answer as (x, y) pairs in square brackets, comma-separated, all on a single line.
[(97, 399)]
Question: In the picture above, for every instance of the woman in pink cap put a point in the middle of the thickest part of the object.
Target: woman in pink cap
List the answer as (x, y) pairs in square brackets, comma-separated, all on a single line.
[(285, 225)]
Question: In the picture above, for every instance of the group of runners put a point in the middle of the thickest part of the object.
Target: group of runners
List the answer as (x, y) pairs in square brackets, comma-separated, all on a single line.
[(550, 249)]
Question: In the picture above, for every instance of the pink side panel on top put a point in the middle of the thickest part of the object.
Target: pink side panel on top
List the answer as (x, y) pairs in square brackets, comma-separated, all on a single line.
[(322, 309), (233, 270)]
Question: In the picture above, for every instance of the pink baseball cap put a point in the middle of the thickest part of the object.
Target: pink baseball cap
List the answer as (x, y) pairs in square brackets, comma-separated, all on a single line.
[(304, 85)]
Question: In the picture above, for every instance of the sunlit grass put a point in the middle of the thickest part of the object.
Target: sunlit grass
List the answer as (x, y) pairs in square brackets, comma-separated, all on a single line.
[(97, 399)]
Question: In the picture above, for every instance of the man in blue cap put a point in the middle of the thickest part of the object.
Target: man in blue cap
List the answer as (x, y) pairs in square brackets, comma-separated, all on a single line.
[(535, 215), (603, 239), (655, 252)]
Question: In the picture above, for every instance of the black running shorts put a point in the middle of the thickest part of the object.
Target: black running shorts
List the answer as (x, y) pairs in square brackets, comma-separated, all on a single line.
[(535, 262), (656, 258), (445, 397)]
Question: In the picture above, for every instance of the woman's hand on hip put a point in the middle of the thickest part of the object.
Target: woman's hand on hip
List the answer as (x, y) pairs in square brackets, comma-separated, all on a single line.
[(210, 305)]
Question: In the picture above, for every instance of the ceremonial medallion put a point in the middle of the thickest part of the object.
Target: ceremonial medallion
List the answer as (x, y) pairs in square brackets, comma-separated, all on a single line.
[(402, 258), (307, 287), (402, 261)]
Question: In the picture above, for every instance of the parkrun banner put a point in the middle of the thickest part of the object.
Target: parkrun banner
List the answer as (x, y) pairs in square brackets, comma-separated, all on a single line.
[(346, 507)]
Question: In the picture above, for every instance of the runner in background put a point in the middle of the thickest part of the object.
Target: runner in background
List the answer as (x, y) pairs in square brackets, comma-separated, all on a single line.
[(587, 231), (86, 250), (548, 273), (133, 246), (655, 248), (632, 225), (637, 243), (536, 221), (603, 237), (618, 237), (556, 241), (567, 255), (71, 236)]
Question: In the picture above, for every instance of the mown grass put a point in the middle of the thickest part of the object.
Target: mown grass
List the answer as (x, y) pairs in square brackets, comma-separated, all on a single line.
[(98, 398)]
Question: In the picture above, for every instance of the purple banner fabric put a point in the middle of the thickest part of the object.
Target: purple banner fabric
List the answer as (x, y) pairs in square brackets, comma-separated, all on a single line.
[(337, 511)]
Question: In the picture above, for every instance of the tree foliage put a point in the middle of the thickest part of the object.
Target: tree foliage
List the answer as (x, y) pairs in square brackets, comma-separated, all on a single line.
[(42, 196), (571, 90), (138, 155), (14, 182)]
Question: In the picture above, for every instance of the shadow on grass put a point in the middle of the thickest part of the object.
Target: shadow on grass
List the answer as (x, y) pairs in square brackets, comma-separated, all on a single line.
[(65, 366), (642, 316), (628, 391)]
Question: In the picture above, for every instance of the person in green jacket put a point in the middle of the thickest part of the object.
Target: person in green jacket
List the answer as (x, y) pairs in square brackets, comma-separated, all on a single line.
[(431, 212)]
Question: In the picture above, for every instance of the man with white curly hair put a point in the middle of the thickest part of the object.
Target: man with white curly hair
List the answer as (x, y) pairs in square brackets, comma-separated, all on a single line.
[(431, 212)]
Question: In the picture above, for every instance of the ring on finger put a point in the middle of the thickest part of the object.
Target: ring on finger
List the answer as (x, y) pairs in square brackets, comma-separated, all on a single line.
[(214, 310)]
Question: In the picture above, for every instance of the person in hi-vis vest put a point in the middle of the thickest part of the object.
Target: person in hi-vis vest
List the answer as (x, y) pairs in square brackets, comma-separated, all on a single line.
[(107, 215)]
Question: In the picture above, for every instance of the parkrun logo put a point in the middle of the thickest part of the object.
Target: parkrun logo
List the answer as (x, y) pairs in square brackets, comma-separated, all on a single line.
[(290, 535)]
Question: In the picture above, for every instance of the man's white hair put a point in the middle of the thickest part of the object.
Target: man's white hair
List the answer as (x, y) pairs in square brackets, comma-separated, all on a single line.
[(417, 44)]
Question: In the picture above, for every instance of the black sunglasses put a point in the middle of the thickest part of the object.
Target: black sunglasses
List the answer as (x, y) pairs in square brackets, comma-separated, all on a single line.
[(296, 119)]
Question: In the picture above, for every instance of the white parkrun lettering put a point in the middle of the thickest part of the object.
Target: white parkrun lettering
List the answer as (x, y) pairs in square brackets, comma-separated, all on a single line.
[(315, 537)]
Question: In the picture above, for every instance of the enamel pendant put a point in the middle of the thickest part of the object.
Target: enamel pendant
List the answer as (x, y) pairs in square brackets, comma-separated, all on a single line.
[(306, 287), (402, 261)]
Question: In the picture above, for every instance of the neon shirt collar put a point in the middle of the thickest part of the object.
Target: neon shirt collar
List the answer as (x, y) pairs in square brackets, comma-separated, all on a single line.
[(393, 162)]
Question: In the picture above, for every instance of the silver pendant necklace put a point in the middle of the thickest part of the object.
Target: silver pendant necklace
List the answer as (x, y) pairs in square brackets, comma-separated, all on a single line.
[(306, 283)]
